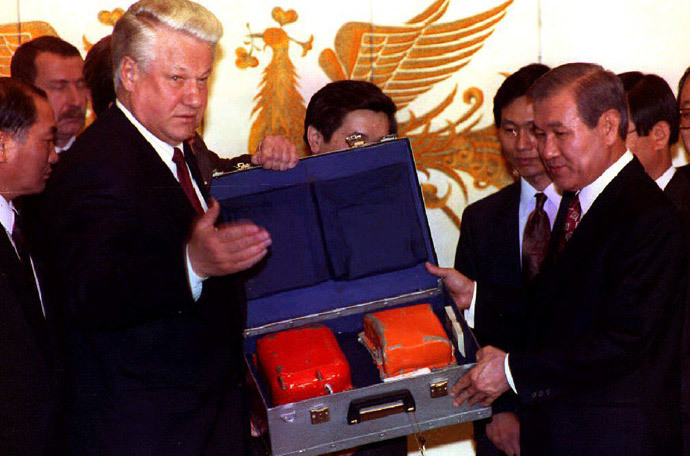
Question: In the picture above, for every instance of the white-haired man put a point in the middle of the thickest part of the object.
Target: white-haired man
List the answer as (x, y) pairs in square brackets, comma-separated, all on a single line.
[(153, 312)]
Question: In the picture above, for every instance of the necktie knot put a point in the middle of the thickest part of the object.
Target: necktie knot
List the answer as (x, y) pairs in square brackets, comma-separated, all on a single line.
[(178, 157), (541, 199)]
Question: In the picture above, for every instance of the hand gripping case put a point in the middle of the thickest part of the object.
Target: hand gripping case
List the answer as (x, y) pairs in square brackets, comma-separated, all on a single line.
[(350, 238)]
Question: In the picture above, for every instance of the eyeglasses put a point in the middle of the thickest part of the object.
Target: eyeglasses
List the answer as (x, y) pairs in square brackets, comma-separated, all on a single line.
[(685, 118)]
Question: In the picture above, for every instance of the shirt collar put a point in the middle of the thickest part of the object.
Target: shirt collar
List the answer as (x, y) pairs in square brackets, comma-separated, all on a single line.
[(590, 192), (663, 180), (66, 146), (164, 149), (6, 214), (527, 193)]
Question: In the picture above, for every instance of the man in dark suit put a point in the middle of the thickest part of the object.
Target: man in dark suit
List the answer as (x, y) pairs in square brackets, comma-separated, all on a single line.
[(653, 129), (490, 246), (144, 273), (55, 66), (599, 374), (28, 384)]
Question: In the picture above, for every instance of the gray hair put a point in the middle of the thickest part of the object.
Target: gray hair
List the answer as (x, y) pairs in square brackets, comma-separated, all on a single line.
[(595, 89), (135, 32)]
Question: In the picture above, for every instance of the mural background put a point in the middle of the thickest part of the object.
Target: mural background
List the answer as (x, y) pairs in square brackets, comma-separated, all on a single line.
[(456, 148)]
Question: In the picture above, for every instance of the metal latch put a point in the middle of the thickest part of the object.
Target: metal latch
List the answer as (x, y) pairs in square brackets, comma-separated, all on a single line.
[(320, 415), (355, 140), (439, 389)]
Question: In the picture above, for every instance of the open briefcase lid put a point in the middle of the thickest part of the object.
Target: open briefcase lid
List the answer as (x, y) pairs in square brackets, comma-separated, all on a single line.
[(347, 227)]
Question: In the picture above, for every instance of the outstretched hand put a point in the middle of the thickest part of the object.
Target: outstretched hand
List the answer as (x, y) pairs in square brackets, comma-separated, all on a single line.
[(227, 249)]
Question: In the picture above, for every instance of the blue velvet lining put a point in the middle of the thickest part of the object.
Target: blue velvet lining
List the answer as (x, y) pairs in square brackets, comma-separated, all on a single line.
[(347, 227)]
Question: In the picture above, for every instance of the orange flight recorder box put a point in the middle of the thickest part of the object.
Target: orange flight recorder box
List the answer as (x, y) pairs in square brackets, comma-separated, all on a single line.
[(303, 363)]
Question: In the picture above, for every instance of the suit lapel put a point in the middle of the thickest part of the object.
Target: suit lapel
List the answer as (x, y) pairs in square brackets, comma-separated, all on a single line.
[(598, 214), (25, 292), (513, 226), (156, 175)]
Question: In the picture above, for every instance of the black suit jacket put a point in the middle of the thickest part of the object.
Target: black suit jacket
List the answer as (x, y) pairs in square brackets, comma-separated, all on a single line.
[(678, 191), (27, 376), (601, 375), (489, 253), (152, 371)]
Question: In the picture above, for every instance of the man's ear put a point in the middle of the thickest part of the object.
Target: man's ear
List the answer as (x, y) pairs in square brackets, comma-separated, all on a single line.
[(660, 134), (6, 145), (129, 73), (608, 125), (315, 139)]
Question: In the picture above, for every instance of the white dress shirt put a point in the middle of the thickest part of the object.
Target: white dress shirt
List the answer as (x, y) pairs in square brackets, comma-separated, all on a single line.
[(166, 151), (663, 180)]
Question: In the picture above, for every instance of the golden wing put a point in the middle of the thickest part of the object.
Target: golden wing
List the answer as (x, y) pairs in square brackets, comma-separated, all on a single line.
[(13, 35), (407, 60)]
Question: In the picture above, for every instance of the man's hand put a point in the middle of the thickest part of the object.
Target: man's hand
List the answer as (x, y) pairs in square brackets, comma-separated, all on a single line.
[(227, 249), (504, 433), (277, 153), (485, 382), (461, 288)]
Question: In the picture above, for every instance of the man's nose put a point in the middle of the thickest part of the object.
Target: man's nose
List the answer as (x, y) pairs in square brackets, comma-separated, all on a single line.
[(525, 139), (193, 95)]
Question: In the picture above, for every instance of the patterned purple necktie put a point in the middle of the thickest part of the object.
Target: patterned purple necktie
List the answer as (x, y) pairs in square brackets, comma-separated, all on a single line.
[(535, 239)]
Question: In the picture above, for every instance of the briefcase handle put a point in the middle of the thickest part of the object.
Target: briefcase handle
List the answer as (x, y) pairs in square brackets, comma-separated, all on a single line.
[(379, 406)]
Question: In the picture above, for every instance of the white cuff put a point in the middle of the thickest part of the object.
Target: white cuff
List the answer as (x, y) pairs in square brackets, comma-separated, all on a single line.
[(509, 376), (469, 313), (196, 282)]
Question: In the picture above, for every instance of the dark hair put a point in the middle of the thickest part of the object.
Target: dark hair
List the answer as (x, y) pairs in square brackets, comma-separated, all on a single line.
[(516, 86), (651, 100), (23, 65), (18, 111), (98, 75), (595, 89), (329, 106)]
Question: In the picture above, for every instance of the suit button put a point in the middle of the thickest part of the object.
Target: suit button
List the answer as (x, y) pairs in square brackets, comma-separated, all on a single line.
[(548, 391), (541, 393), (534, 395)]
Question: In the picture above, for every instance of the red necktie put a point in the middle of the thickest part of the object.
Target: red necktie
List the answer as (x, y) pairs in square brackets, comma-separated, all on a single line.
[(535, 239), (186, 180), (572, 218)]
